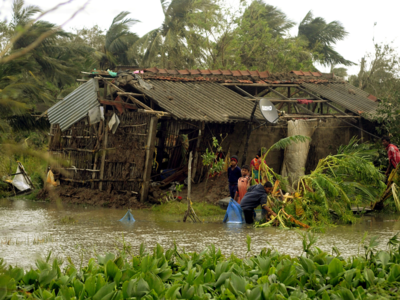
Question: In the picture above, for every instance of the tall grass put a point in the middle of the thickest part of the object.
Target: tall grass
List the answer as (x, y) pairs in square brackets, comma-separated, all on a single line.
[(31, 150)]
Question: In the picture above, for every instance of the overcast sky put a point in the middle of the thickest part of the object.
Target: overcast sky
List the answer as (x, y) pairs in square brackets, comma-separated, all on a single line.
[(358, 18)]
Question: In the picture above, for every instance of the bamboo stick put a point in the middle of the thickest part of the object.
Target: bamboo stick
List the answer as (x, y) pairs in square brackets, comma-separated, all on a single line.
[(103, 158)]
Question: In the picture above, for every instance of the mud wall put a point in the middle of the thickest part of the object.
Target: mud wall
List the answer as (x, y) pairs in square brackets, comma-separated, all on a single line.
[(328, 136), (264, 136)]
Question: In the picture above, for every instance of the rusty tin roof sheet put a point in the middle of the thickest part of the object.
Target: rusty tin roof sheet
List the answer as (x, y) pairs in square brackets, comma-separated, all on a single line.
[(75, 105), (346, 95), (200, 101)]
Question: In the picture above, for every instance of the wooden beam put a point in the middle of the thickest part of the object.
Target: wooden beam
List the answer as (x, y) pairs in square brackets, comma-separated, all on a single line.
[(129, 96), (328, 104), (306, 91), (75, 169), (103, 78), (291, 100), (339, 110), (243, 91), (295, 106), (118, 103), (103, 157), (281, 105), (295, 92), (78, 137), (151, 142), (262, 93), (288, 116), (259, 84), (156, 112), (132, 94)]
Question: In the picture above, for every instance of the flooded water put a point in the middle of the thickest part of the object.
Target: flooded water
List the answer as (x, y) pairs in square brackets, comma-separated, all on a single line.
[(29, 230)]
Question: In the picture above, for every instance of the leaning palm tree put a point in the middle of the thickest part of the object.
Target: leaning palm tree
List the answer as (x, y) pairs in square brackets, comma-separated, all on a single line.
[(117, 42), (38, 76), (321, 36), (167, 46), (277, 21)]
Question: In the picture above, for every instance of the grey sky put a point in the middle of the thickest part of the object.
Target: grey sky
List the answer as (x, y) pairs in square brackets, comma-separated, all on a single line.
[(358, 17)]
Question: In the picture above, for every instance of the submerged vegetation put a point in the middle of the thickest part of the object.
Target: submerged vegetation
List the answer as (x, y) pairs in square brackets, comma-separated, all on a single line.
[(176, 274)]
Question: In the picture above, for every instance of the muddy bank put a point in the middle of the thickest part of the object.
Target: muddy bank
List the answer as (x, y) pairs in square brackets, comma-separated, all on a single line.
[(82, 196), (216, 189)]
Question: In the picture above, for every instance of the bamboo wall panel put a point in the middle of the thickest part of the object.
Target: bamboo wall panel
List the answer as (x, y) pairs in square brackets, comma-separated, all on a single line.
[(80, 147)]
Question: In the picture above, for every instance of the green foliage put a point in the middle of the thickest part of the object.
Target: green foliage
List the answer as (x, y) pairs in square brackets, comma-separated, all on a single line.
[(341, 181), (175, 274), (214, 164), (258, 42)]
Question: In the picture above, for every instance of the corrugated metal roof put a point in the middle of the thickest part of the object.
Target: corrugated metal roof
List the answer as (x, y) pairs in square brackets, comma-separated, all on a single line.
[(346, 95), (200, 101), (75, 105)]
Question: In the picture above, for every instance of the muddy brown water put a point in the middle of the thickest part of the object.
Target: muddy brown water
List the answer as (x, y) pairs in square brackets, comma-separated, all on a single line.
[(29, 230)]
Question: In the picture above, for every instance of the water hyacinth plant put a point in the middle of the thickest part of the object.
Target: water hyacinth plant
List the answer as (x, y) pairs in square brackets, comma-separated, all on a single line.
[(175, 274)]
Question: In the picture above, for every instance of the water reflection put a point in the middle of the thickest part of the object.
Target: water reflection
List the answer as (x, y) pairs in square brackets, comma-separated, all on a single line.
[(30, 229)]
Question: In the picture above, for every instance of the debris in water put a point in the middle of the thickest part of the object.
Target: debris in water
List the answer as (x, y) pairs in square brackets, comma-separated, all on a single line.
[(128, 218)]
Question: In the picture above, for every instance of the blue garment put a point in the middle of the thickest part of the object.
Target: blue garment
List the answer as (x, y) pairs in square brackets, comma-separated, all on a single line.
[(232, 190), (234, 175), (255, 196)]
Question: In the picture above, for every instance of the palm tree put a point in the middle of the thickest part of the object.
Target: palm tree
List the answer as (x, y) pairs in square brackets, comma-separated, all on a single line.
[(22, 14), (277, 21), (321, 37), (167, 46), (117, 42), (38, 76)]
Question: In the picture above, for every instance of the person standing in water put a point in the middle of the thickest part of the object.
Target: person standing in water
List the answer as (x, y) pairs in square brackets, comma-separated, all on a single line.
[(234, 174), (393, 154), (256, 195), (243, 183)]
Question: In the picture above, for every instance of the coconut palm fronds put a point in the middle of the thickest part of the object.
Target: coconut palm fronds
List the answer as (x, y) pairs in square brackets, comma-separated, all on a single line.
[(395, 196)]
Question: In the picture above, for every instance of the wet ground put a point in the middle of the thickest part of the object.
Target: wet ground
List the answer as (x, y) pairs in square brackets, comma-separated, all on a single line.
[(29, 230)]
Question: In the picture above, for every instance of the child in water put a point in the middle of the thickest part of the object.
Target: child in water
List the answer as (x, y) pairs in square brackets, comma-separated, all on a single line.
[(233, 176), (243, 183)]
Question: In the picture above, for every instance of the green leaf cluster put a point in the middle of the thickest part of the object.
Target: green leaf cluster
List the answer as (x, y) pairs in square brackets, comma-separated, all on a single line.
[(175, 274)]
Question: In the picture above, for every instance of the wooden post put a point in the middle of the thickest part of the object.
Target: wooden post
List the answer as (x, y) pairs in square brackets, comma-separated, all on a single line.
[(190, 176), (96, 157), (151, 142), (105, 90), (103, 158), (189, 186), (196, 155)]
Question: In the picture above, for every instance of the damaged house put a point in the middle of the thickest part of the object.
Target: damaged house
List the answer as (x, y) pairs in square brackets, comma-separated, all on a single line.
[(117, 134)]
